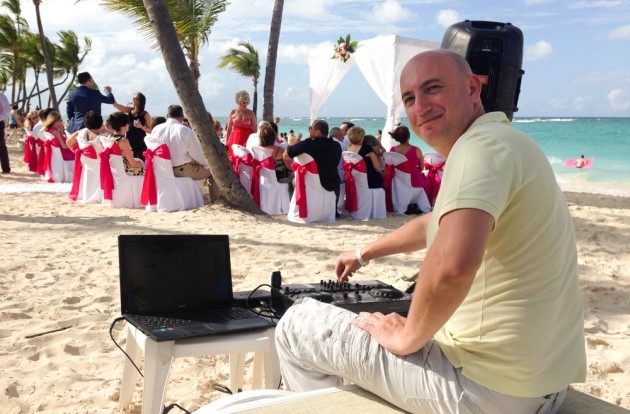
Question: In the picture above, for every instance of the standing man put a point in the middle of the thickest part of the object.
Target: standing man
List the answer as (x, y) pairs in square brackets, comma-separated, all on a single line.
[(84, 99), (5, 111), (324, 151), (186, 153), (496, 322)]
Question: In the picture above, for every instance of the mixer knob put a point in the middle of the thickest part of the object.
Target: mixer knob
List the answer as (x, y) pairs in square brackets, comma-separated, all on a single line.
[(286, 289), (345, 295)]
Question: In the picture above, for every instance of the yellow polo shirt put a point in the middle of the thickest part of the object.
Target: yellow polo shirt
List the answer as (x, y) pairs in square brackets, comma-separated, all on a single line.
[(520, 329)]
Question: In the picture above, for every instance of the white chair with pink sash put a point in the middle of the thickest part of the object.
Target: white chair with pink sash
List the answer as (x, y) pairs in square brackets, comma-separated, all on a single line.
[(397, 184), (30, 152), (362, 202), (161, 190), (272, 197), (57, 170), (310, 201), (242, 162), (86, 186), (119, 189), (433, 169)]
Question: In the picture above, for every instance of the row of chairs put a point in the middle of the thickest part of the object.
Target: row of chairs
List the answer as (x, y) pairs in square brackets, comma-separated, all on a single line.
[(98, 175), (311, 202)]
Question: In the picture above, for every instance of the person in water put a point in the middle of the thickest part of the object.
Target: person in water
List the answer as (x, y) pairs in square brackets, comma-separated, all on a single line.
[(579, 163)]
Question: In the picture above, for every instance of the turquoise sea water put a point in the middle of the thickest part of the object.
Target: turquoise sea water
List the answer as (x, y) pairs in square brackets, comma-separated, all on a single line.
[(605, 139)]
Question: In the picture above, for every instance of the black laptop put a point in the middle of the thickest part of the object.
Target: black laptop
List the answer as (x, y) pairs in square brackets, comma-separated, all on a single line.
[(180, 286)]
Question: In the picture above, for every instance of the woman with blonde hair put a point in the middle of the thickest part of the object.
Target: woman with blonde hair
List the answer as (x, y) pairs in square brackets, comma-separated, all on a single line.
[(30, 145), (54, 126), (241, 121), (356, 135)]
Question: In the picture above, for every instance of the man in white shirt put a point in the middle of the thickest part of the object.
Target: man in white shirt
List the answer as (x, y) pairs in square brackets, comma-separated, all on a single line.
[(5, 110), (337, 135)]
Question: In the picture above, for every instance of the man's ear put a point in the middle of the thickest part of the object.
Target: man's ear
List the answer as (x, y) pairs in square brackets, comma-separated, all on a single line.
[(475, 83)]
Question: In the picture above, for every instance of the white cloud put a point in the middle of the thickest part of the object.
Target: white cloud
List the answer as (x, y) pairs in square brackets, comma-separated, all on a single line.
[(540, 50), (590, 4), (293, 53), (390, 11), (535, 2), (619, 100), (621, 32), (448, 17), (310, 9), (580, 103)]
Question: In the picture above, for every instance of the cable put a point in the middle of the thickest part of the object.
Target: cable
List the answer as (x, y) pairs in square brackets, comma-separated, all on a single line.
[(171, 406), (262, 309), (111, 335)]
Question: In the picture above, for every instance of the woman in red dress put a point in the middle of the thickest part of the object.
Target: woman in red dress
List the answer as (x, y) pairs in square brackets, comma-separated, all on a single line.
[(241, 122)]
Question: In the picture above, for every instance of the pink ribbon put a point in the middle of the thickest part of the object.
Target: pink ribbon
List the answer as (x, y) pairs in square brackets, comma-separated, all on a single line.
[(434, 178), (257, 166), (30, 153), (390, 173), (149, 186), (48, 144), (352, 202), (41, 158), (89, 152), (107, 178), (300, 185)]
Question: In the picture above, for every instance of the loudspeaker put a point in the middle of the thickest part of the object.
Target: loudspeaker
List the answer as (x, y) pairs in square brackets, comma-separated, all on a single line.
[(494, 51)]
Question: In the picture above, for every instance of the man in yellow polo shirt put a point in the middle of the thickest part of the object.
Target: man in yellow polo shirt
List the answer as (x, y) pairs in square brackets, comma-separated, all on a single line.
[(496, 323)]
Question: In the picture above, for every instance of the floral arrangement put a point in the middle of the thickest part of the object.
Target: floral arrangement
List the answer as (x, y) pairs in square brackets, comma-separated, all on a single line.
[(344, 48)]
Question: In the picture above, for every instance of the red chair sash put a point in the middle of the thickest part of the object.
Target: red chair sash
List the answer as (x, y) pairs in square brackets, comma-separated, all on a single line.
[(434, 178), (300, 185), (149, 186), (30, 153), (257, 166), (246, 159), (390, 172), (48, 144), (352, 201), (41, 158), (107, 178), (89, 152)]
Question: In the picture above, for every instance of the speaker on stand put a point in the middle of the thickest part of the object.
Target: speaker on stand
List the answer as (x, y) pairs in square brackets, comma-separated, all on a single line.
[(494, 52)]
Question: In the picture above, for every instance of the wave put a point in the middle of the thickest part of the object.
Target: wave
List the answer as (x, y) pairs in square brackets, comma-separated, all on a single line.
[(531, 120), (553, 160)]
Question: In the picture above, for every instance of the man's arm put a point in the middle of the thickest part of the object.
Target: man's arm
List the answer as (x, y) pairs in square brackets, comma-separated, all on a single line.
[(297, 149), (108, 98), (445, 278), (69, 109), (194, 147)]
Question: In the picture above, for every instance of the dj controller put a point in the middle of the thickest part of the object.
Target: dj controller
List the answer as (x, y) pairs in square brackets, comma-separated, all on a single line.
[(360, 296)]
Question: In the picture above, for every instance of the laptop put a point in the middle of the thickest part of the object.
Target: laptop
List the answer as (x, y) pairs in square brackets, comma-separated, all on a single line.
[(180, 286)]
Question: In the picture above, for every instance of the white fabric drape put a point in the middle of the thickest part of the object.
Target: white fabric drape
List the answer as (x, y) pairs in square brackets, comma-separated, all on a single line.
[(381, 60)]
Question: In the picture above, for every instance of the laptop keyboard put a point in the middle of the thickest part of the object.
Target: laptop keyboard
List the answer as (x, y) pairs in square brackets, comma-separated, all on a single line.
[(214, 316)]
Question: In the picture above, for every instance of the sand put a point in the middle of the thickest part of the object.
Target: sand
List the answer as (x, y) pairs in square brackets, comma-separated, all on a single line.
[(59, 285)]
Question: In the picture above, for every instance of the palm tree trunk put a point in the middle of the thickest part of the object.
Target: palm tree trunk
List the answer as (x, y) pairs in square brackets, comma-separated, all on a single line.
[(231, 189), (272, 56), (52, 98), (255, 105)]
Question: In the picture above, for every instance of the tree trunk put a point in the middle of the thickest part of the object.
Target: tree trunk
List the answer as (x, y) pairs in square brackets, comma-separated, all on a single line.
[(231, 189), (49, 68), (272, 55), (255, 106)]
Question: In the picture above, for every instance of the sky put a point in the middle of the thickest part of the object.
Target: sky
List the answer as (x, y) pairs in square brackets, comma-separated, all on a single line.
[(576, 53)]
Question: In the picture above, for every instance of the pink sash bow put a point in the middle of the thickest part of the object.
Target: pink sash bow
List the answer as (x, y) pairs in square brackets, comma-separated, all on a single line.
[(107, 178), (352, 202), (89, 152), (236, 161), (390, 173), (149, 186), (434, 178), (300, 185), (48, 144), (30, 153), (257, 166)]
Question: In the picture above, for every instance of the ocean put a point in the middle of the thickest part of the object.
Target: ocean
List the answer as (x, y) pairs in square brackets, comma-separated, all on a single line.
[(607, 140)]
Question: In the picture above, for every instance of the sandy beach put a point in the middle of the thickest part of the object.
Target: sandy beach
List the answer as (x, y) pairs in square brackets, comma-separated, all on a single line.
[(59, 272)]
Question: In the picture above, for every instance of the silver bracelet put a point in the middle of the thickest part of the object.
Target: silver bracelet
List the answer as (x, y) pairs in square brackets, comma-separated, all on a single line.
[(360, 258)]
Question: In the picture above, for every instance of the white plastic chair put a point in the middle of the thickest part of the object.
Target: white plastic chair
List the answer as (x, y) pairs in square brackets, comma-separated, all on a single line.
[(370, 201), (398, 185), (127, 188), (242, 161), (273, 196), (59, 170), (310, 201), (433, 169), (87, 181), (161, 190)]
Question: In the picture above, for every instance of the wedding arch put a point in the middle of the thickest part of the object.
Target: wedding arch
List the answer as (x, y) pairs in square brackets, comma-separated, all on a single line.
[(380, 60)]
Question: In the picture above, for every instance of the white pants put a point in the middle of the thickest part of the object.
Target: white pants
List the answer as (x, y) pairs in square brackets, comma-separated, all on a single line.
[(318, 347)]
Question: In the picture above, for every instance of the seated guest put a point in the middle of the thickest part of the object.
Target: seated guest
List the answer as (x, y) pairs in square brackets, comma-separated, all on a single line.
[(254, 139), (119, 123), (157, 120), (324, 151), (414, 155), (267, 137), (54, 126), (356, 136), (337, 135), (93, 128)]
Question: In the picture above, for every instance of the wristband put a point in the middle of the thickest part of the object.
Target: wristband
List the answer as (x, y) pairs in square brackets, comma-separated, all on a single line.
[(360, 258)]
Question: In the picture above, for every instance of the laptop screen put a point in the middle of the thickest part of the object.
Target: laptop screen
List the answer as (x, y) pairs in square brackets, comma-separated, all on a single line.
[(161, 274)]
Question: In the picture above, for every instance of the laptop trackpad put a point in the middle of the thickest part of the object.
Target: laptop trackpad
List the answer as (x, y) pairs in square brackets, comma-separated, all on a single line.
[(196, 329)]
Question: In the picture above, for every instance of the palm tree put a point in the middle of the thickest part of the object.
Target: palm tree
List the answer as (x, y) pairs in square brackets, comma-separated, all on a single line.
[(49, 68), (272, 55), (192, 19), (69, 55), (11, 29), (245, 62), (231, 189)]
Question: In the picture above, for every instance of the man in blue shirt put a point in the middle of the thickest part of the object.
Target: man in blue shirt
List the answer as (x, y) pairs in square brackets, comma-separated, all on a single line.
[(84, 99)]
